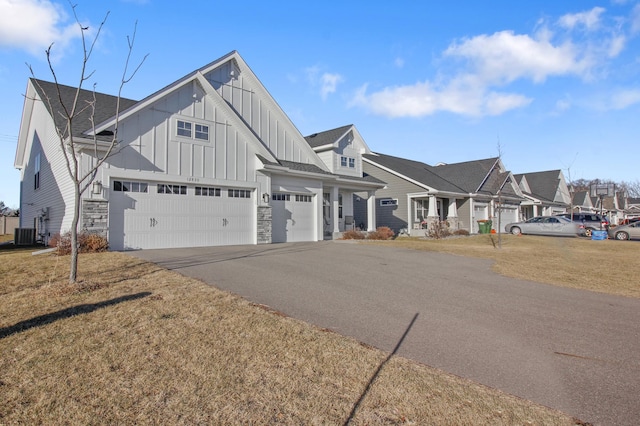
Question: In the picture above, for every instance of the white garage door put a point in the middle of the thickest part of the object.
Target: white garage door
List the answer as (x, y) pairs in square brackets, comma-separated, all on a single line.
[(294, 217), (146, 216), (509, 214)]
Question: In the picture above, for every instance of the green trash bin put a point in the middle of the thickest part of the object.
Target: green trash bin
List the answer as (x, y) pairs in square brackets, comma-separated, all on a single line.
[(484, 226)]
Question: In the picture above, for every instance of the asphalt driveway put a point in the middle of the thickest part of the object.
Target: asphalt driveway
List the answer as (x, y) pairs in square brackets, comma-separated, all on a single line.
[(572, 350)]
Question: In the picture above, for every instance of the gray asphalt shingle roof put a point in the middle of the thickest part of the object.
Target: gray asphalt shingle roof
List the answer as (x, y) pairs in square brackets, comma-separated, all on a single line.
[(466, 177), (543, 185), (105, 105), (326, 137)]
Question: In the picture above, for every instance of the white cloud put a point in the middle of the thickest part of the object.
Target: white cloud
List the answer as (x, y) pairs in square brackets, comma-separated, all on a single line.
[(329, 83), (421, 99), (505, 56), (589, 19), (32, 25), (624, 99), (635, 19), (482, 69), (398, 62)]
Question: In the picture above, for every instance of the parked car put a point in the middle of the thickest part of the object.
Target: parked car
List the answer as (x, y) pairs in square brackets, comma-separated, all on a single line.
[(591, 221), (625, 232), (546, 225), (629, 220)]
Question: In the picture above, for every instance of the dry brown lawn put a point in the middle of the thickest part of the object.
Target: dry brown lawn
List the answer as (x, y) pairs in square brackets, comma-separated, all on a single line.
[(136, 344), (607, 266)]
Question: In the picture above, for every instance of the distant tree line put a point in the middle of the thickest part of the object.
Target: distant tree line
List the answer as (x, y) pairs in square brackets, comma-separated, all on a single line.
[(632, 189)]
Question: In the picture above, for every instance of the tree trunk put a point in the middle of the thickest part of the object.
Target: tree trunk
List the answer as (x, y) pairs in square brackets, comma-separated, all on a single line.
[(73, 269)]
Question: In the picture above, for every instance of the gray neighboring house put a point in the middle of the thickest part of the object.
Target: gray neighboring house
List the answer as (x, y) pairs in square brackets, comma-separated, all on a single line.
[(341, 149), (582, 203), (546, 193), (417, 195)]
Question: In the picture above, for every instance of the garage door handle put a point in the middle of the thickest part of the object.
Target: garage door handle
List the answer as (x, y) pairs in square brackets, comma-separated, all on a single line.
[(225, 222), (153, 222)]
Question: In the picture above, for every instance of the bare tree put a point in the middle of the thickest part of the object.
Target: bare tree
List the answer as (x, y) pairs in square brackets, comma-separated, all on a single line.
[(70, 113)]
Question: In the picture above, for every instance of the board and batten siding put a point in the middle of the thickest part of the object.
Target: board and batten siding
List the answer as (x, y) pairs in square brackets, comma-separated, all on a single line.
[(247, 96), (150, 142), (395, 217)]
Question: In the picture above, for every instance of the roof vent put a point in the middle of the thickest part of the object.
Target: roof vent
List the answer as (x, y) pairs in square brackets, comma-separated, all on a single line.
[(441, 164), (105, 133)]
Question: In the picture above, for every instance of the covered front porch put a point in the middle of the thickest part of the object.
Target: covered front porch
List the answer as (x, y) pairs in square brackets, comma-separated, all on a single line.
[(338, 210), (427, 209)]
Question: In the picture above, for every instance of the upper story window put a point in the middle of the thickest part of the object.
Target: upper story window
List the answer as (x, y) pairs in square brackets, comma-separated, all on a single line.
[(348, 162), (184, 128), (125, 186), (188, 129), (202, 132), (36, 173)]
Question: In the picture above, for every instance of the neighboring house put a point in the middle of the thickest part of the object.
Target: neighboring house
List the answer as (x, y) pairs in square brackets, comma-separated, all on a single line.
[(582, 202), (417, 195), (546, 193), (209, 160), (341, 149), (614, 207), (632, 209)]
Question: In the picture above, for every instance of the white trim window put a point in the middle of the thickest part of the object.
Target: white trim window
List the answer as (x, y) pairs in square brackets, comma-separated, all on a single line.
[(202, 132), (422, 209), (303, 198), (388, 202), (183, 128), (188, 129), (128, 186), (349, 162), (36, 172)]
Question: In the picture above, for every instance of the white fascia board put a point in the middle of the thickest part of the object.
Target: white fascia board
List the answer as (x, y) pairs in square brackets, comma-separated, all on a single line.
[(393, 172), (88, 144), (367, 150), (25, 124), (326, 147), (144, 103)]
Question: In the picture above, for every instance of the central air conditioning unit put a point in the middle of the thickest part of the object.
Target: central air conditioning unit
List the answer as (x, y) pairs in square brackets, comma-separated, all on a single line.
[(24, 236)]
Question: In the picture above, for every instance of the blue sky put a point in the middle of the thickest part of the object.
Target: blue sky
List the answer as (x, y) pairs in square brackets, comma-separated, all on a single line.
[(547, 84)]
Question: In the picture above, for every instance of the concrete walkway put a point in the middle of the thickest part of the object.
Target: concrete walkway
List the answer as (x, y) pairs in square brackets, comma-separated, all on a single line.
[(572, 350)]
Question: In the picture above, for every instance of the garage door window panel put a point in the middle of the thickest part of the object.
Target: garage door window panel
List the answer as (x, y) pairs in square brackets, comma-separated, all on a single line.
[(164, 188)]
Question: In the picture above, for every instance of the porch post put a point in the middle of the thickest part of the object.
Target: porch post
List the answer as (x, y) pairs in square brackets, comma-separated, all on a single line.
[(410, 211), (452, 215), (432, 214), (335, 209), (371, 211)]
